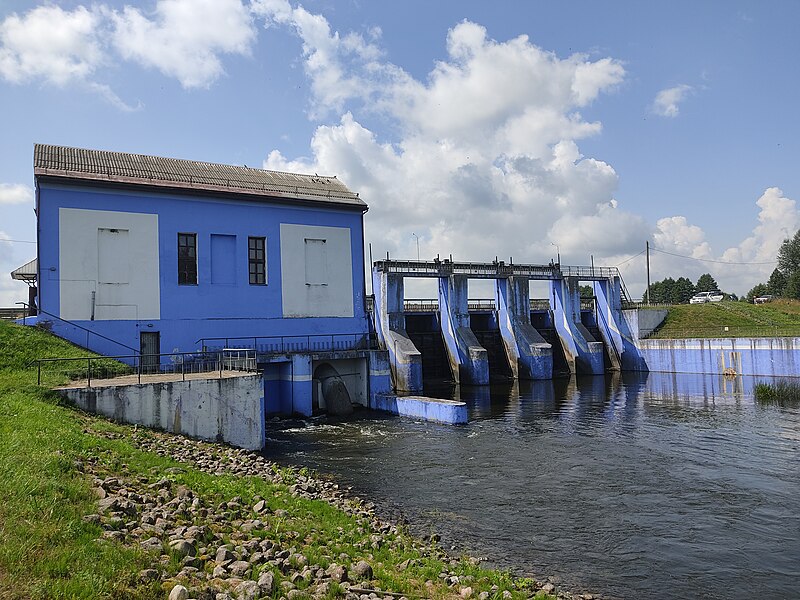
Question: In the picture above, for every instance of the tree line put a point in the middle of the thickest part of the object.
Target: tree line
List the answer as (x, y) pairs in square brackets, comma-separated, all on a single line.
[(680, 290), (784, 282)]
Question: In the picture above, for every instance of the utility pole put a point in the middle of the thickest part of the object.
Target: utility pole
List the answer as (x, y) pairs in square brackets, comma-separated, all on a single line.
[(647, 248), (416, 237)]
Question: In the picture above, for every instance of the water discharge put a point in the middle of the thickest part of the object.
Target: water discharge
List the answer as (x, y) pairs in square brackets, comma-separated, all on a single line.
[(668, 486)]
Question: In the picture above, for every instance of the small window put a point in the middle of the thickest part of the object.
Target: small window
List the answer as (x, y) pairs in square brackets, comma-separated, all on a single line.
[(257, 260), (187, 259)]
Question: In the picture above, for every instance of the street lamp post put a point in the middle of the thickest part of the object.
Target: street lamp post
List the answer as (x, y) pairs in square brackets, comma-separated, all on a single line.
[(558, 251), (416, 237)]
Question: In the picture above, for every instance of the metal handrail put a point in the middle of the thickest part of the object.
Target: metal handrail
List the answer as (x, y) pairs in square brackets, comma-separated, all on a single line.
[(227, 359), (88, 331)]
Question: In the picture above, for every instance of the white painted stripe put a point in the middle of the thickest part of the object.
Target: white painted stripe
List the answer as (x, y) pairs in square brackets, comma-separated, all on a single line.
[(379, 373), (302, 378)]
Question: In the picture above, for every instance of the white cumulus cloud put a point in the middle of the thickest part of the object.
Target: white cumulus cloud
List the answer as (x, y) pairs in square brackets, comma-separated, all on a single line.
[(185, 38), (485, 159), (666, 103), (50, 44), (15, 193)]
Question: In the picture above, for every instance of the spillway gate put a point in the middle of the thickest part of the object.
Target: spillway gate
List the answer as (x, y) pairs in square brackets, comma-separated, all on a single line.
[(536, 339)]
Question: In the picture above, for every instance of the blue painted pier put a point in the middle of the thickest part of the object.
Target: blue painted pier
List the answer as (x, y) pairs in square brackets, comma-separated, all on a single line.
[(532, 336)]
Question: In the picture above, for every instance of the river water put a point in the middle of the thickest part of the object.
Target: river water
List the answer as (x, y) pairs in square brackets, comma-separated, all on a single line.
[(632, 486)]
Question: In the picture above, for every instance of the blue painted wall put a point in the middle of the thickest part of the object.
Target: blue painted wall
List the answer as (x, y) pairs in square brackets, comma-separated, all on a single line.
[(741, 356), (230, 308)]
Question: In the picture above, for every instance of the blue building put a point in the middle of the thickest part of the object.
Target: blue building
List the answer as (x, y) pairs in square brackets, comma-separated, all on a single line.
[(150, 255)]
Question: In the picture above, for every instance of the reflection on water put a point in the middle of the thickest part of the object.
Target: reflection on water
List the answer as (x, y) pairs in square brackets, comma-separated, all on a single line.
[(668, 486)]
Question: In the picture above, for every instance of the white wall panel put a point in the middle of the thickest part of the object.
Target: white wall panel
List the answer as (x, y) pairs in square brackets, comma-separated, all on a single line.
[(113, 254), (310, 288)]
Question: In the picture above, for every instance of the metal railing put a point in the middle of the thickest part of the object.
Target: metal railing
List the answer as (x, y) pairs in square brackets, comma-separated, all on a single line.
[(13, 313), (428, 305), (89, 332), (148, 366), (286, 344)]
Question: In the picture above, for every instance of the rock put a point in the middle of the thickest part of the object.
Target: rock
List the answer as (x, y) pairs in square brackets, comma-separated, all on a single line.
[(239, 567), (362, 570), (483, 596), (247, 590), (224, 554), (183, 548), (337, 572), (466, 592), (292, 594), (148, 575), (548, 587), (152, 543), (108, 504), (266, 583), (259, 506), (219, 572), (298, 560), (179, 593), (506, 595)]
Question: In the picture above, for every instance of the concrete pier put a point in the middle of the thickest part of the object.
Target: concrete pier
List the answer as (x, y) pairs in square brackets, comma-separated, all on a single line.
[(469, 360), (529, 354), (614, 328), (583, 353), (390, 325)]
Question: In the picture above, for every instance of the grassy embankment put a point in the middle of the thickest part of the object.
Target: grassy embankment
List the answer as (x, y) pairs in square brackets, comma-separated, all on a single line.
[(47, 550), (774, 319)]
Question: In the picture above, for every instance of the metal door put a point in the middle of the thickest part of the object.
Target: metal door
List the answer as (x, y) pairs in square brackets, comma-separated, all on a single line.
[(150, 348)]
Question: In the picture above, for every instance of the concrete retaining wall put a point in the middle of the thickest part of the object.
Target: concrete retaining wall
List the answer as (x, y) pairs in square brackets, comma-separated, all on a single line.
[(228, 410), (774, 357)]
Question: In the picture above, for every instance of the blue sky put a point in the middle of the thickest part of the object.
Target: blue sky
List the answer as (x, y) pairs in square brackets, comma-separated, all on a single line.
[(486, 129)]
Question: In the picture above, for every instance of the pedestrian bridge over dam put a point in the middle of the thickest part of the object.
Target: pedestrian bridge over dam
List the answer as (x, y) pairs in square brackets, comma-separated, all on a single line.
[(508, 335)]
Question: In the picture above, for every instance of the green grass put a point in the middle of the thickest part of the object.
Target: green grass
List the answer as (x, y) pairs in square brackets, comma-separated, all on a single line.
[(48, 551), (781, 393), (731, 319)]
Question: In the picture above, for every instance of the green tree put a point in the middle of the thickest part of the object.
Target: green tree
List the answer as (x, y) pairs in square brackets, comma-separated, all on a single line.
[(777, 283), (792, 289), (789, 256), (682, 290), (758, 290), (706, 283), (587, 291)]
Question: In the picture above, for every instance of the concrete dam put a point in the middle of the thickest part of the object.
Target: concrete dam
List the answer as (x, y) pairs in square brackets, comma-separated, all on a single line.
[(508, 336)]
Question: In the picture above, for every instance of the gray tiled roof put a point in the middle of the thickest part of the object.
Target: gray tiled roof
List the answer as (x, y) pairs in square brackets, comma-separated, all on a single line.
[(26, 272), (121, 167)]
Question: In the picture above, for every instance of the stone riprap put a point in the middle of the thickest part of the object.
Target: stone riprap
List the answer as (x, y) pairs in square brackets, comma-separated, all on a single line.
[(221, 549)]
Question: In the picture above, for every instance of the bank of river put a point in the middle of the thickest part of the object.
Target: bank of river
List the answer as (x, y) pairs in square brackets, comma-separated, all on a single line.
[(639, 486)]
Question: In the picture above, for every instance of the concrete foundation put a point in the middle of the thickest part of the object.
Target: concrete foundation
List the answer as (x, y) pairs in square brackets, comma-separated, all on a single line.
[(226, 410)]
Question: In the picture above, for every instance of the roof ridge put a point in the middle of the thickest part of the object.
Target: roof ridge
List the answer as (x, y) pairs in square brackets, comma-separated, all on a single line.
[(144, 169), (185, 160)]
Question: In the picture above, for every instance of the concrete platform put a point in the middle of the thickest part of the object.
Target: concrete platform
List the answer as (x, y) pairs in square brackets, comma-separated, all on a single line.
[(450, 412), (154, 378)]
